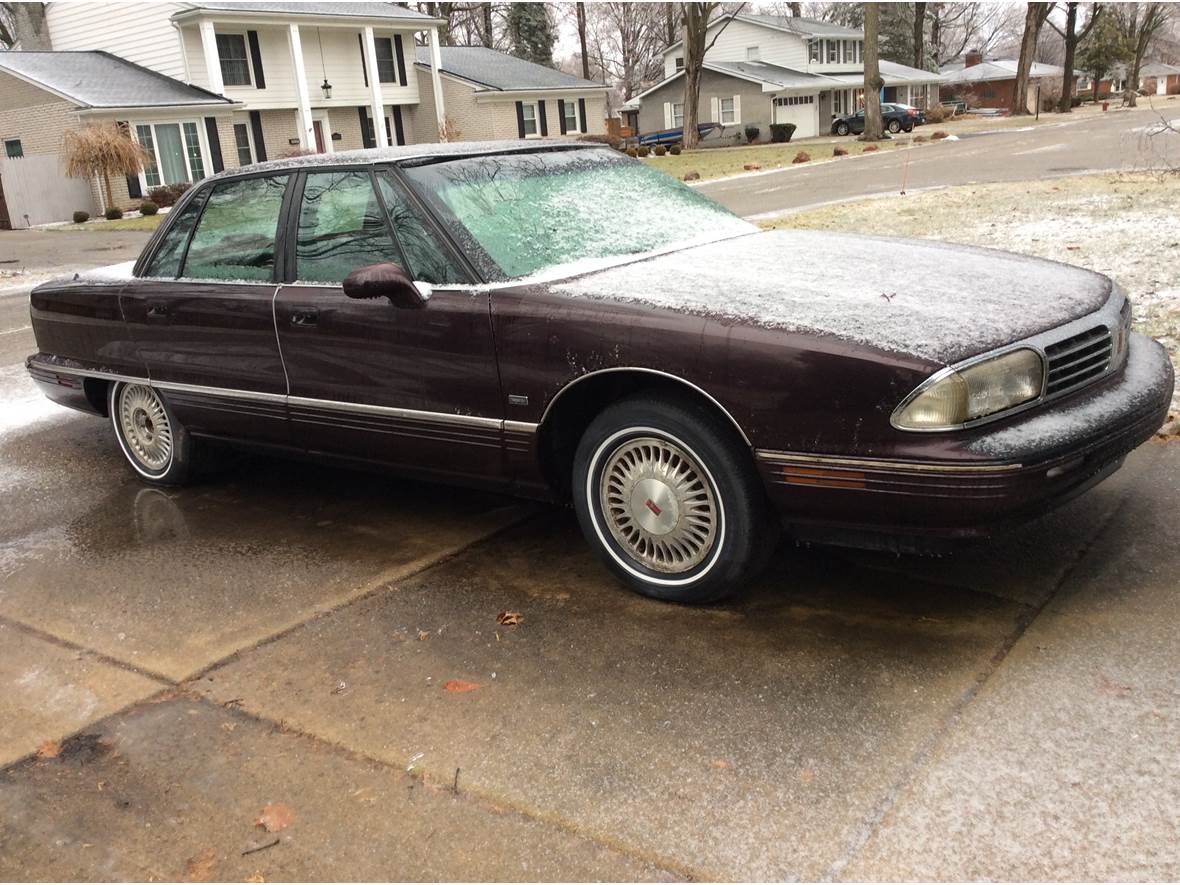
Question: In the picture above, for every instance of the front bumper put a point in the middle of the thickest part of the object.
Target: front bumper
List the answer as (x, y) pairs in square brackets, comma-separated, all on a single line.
[(1015, 472)]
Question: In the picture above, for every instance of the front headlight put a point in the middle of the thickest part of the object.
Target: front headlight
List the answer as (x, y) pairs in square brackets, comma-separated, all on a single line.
[(973, 392)]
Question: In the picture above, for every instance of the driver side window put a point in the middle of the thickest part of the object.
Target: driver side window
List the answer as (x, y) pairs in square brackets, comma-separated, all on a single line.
[(429, 260)]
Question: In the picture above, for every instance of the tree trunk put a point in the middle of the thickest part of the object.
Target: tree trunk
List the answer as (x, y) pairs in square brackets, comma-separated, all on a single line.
[(796, 9), (489, 37), (694, 50), (1034, 16), (106, 182), (1065, 106), (582, 40), (936, 34), (919, 36), (670, 22), (873, 81)]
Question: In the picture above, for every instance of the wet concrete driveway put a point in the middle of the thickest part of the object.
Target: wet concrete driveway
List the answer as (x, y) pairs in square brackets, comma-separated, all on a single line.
[(294, 637)]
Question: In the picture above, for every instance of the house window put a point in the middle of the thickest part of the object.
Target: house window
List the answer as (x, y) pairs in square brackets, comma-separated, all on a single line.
[(728, 110), (569, 112), (242, 143), (860, 50), (833, 51), (235, 67), (849, 51), (386, 65), (816, 50), (794, 100), (175, 152), (13, 148), (680, 63), (753, 54), (677, 114), (528, 112)]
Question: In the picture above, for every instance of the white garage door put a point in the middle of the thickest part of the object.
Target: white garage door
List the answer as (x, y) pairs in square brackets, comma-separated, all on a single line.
[(800, 110)]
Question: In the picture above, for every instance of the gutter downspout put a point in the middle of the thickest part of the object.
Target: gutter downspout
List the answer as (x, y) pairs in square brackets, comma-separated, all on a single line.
[(188, 77)]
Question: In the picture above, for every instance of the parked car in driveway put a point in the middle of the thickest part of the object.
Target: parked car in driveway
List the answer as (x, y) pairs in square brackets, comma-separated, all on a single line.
[(893, 119), (480, 314), (916, 114)]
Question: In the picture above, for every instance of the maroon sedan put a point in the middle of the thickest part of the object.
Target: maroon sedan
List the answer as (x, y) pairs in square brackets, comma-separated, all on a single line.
[(561, 322)]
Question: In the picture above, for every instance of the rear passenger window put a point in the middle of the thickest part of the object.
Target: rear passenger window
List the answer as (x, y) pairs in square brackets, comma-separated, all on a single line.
[(235, 238), (166, 261), (341, 228), (429, 260)]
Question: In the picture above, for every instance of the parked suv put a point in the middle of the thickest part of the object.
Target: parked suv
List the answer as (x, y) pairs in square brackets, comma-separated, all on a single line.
[(892, 118)]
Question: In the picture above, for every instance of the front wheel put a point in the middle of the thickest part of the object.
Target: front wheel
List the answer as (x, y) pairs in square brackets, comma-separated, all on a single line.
[(669, 500), (154, 443), (842, 129)]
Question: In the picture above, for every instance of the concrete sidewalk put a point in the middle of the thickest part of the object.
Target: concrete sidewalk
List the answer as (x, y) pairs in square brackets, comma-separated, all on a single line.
[(172, 664)]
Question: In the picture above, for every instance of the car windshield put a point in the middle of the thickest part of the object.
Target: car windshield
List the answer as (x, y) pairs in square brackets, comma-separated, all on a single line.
[(519, 214)]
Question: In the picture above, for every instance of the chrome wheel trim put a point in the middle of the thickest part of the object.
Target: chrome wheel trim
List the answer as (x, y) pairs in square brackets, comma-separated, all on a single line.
[(621, 551), (144, 428)]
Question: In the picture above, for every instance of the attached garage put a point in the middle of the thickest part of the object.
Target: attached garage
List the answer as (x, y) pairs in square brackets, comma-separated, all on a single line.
[(802, 110)]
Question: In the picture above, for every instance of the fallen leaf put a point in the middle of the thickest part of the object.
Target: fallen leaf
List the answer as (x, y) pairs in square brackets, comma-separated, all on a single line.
[(806, 775), (275, 817), (49, 750), (257, 877), (509, 619), (423, 635), (721, 764), (456, 686), (200, 866)]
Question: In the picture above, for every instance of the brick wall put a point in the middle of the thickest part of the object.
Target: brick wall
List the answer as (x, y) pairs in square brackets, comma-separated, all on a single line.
[(36, 117)]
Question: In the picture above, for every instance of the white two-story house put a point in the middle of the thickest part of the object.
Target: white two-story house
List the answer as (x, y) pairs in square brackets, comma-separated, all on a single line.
[(766, 69), (207, 85)]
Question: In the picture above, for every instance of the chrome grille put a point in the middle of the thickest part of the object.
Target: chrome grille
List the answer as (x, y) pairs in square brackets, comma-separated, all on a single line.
[(1077, 360)]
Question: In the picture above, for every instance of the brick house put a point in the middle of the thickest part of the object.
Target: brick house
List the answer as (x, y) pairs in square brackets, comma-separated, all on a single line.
[(991, 83), (216, 84)]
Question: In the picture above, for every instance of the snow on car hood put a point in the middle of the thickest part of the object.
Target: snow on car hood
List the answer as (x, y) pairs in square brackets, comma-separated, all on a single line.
[(933, 300)]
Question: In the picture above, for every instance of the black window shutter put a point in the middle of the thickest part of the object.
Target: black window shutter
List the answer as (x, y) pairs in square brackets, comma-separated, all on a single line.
[(368, 136), (214, 144), (520, 118), (397, 124), (256, 58), (360, 38), (259, 142), (582, 114), (561, 114), (541, 115), (401, 59), (133, 188)]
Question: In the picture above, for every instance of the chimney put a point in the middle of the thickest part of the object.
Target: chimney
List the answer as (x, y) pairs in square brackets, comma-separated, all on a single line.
[(974, 57)]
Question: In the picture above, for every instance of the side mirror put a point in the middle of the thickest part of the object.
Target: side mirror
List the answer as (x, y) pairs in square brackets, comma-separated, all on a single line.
[(385, 281)]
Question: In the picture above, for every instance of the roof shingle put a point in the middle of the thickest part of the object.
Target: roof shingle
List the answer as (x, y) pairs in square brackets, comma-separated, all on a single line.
[(500, 71)]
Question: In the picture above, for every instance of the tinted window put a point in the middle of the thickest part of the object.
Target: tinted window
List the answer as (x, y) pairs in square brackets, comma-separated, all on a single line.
[(341, 228), (516, 214), (166, 261), (235, 238), (427, 257)]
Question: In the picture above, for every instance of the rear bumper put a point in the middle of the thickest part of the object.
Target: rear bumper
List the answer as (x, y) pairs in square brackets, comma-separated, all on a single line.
[(1041, 461)]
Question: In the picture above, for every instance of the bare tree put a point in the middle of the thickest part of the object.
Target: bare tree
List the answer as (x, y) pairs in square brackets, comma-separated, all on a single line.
[(1138, 23), (627, 38), (696, 18), (955, 27), (920, 36), (580, 11), (1034, 18), (1073, 37), (873, 82), (23, 24)]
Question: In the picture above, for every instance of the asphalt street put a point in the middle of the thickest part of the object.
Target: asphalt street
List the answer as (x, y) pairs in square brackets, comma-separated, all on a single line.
[(321, 650), (1120, 139)]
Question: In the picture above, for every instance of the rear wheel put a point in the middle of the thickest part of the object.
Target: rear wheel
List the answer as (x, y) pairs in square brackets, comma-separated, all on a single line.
[(669, 500), (841, 128), (894, 126), (154, 443)]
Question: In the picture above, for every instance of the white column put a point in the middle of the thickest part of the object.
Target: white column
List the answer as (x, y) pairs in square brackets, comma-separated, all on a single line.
[(440, 110), (212, 59), (307, 132), (376, 103)]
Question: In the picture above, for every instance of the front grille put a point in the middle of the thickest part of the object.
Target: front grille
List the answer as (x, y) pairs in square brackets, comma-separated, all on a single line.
[(1077, 360)]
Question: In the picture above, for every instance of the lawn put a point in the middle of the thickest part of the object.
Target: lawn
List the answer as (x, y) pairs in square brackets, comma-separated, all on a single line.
[(1123, 225), (139, 222), (727, 161)]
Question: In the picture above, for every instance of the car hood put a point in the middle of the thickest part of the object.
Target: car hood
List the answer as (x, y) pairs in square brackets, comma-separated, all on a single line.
[(932, 300)]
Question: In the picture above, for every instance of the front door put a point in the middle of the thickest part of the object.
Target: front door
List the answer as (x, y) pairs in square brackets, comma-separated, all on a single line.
[(318, 128), (202, 319), (412, 387)]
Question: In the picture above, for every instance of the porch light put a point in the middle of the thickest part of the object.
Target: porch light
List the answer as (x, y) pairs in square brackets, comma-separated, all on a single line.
[(327, 88)]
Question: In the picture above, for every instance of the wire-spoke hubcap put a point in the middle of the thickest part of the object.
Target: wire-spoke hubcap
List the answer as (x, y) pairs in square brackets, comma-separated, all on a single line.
[(145, 426), (658, 505)]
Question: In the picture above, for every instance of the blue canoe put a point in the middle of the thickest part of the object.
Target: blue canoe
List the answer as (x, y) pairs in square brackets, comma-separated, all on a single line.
[(671, 136)]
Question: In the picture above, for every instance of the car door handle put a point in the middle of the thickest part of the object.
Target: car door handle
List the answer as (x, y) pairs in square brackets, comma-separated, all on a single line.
[(157, 311), (304, 317)]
